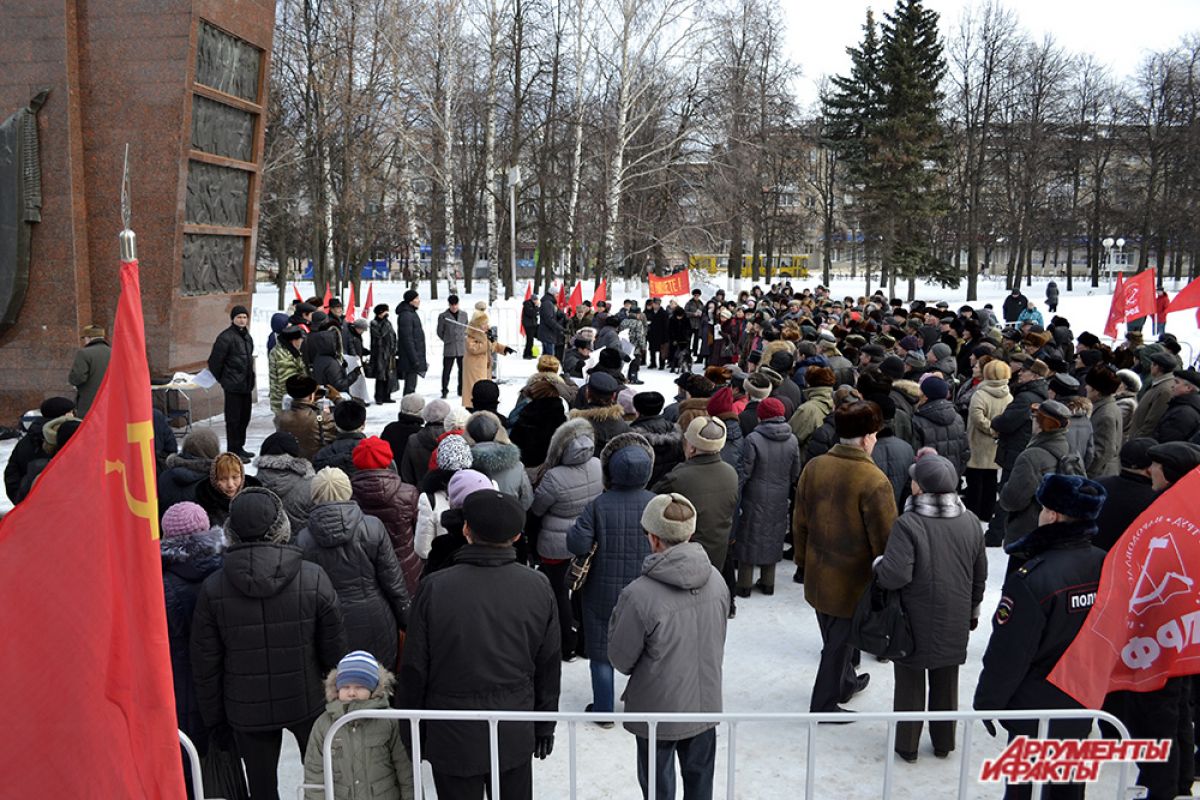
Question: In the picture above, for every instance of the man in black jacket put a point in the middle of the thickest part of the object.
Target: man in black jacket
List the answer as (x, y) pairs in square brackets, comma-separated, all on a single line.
[(1132, 492), (549, 328), (29, 447), (1181, 421), (483, 634), (529, 321), (266, 630), (410, 336), (1014, 304), (232, 363), (656, 333)]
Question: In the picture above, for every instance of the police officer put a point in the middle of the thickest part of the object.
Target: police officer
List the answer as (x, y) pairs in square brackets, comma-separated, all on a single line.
[(1044, 604)]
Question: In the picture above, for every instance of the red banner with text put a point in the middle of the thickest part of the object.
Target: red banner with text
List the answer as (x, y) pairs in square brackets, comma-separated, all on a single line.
[(670, 286)]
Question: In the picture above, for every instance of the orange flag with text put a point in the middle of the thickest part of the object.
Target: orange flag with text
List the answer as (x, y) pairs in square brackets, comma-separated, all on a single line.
[(86, 652)]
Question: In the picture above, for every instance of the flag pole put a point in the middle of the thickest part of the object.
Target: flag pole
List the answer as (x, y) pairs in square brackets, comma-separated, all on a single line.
[(127, 237)]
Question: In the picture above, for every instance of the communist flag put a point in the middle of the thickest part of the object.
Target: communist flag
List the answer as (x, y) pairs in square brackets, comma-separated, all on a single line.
[(1144, 626), (1189, 297), (576, 297), (601, 295), (670, 286), (1139, 295), (1116, 309), (351, 312), (83, 614)]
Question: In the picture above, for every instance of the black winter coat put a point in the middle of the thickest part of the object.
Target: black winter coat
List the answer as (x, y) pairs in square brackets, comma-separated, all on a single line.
[(607, 421), (397, 433), (1013, 306), (186, 562), (328, 369), (231, 360), (180, 479), (535, 427), (573, 363), (894, 456), (354, 550), (410, 341), (665, 439), (936, 424), (27, 448), (679, 330), (529, 317), (549, 328), (1181, 421), (482, 634), (414, 462), (1129, 494), (656, 328), (1013, 426), (339, 453)]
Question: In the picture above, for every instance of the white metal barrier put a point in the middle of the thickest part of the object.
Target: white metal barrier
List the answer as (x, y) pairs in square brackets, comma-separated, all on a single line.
[(194, 760), (731, 722)]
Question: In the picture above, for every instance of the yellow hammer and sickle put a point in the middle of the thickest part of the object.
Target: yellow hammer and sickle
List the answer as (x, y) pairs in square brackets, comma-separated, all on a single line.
[(141, 434)]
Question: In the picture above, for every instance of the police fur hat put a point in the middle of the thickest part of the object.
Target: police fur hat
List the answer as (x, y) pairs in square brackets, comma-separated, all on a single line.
[(1071, 495)]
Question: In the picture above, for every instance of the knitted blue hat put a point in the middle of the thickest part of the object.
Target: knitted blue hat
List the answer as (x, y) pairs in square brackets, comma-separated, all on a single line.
[(358, 667)]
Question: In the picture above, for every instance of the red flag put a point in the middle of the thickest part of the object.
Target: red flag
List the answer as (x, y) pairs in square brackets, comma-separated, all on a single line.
[(369, 305), (1116, 309), (296, 290), (521, 314), (576, 297), (1143, 627), (351, 314), (601, 292), (83, 610), (1188, 298), (325, 300), (562, 295), (1139, 295)]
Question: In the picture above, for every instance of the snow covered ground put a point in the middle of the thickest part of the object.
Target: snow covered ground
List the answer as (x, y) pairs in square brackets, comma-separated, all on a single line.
[(773, 645)]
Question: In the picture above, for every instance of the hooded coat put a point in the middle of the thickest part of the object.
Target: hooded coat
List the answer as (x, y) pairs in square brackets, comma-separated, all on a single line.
[(667, 634), (340, 452), (383, 353), (1018, 496), (370, 761), (502, 463), (607, 422), (1012, 427), (397, 433), (570, 479), (936, 424), (612, 523), (381, 494), (290, 478), (186, 562), (712, 486), (179, 481), (328, 369), (665, 439), (535, 427), (769, 470), (355, 552), (264, 608), (987, 403)]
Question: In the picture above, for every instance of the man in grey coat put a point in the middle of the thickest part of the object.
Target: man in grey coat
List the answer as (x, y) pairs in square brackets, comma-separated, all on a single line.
[(1153, 402), (667, 634), (1047, 447), (1107, 427), (87, 371), (452, 330)]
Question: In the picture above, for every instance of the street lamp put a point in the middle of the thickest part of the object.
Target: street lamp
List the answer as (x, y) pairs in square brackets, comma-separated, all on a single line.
[(1108, 244), (514, 178)]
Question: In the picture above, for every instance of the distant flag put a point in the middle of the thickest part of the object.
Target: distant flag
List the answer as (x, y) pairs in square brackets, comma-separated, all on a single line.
[(1188, 298), (296, 290), (351, 315), (576, 297), (325, 300), (369, 305), (562, 294), (521, 313), (1139, 295), (601, 292), (1116, 310)]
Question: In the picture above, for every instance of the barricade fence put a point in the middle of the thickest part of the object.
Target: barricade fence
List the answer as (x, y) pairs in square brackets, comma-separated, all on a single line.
[(730, 722)]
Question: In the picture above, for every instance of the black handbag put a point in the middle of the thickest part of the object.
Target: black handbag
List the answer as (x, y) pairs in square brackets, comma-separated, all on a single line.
[(221, 770), (880, 626)]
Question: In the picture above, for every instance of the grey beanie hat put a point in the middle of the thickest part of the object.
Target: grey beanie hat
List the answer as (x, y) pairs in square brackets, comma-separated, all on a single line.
[(412, 404), (934, 474), (435, 411)]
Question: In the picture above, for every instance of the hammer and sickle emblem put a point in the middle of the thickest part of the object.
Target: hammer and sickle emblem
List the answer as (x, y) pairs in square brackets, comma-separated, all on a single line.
[(141, 434)]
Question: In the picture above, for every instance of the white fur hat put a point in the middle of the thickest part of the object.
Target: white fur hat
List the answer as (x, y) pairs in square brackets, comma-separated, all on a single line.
[(706, 434), (670, 517)]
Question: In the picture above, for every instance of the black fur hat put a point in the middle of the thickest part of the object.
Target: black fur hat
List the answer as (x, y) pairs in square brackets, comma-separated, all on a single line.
[(1072, 495)]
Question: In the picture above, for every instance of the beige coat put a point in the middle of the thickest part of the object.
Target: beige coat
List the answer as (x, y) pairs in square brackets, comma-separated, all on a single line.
[(989, 400), (477, 363)]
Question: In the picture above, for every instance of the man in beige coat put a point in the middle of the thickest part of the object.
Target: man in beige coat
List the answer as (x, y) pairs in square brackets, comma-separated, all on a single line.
[(837, 535)]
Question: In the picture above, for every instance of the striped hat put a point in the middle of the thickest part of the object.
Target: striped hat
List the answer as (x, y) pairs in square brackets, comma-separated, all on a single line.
[(358, 667)]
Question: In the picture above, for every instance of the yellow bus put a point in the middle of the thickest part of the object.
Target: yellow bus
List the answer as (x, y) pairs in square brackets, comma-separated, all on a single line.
[(786, 265)]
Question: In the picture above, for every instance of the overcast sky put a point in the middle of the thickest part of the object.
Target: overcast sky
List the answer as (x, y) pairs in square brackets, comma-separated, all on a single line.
[(1117, 32)]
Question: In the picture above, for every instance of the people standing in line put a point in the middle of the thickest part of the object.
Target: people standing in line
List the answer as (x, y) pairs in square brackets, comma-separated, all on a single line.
[(667, 633), (549, 328), (452, 330), (483, 634), (231, 362), (383, 355), (988, 402), (610, 528), (410, 335), (935, 557), (837, 535), (87, 371), (267, 627)]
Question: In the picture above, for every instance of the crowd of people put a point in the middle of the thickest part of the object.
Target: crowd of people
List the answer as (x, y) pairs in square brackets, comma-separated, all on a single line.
[(455, 558)]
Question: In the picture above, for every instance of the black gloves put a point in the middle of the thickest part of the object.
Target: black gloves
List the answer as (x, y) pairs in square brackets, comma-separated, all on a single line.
[(991, 727), (974, 623), (543, 746), (508, 351)]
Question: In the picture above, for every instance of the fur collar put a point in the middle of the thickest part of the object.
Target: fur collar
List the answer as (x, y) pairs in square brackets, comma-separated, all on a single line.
[(1055, 536), (566, 433), (195, 464), (285, 463), (1080, 406), (492, 458), (177, 549), (599, 413), (938, 506), (383, 691), (910, 389)]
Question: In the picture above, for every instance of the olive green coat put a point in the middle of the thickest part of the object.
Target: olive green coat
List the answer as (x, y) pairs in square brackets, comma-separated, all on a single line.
[(817, 405)]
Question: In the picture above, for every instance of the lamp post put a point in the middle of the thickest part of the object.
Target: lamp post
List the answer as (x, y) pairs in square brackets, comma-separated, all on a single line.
[(514, 178), (1108, 244)]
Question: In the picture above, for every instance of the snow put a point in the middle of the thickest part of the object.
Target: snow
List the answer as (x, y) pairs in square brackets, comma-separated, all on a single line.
[(773, 645)]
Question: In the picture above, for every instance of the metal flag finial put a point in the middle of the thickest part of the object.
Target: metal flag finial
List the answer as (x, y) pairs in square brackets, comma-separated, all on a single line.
[(127, 237)]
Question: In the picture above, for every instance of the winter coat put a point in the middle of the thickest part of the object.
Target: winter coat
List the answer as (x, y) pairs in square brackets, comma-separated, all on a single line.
[(282, 363), (88, 371), (571, 477), (748, 417), (453, 333), (482, 634), (1052, 294), (27, 449), (573, 363), (312, 429), (355, 552), (383, 353), (838, 533), (231, 360), (414, 463), (328, 368), (667, 441), (904, 394), (1127, 402), (987, 403), (1013, 306), (1013, 427), (186, 562), (267, 627), (1107, 436), (790, 394), (339, 453), (936, 558), (818, 404), (936, 424), (1038, 618), (1030, 315), (1134, 495), (1150, 408), (668, 635), (823, 438), (290, 478), (712, 486), (535, 427), (502, 463), (180, 479), (530, 310), (1181, 421), (894, 456), (769, 469), (381, 494), (397, 433), (1018, 496), (613, 524), (410, 341), (731, 453), (1079, 431), (608, 422), (656, 334), (216, 502), (477, 365), (549, 328), (370, 761)]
